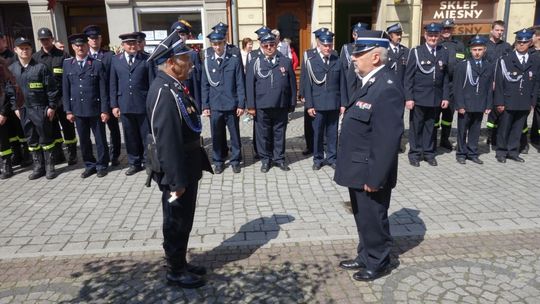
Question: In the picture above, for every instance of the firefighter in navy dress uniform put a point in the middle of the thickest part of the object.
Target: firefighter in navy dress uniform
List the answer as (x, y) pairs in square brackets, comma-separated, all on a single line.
[(426, 90), (473, 97), (456, 53), (367, 159), (95, 51), (397, 57), (40, 91), (130, 78), (223, 99), (86, 103), (271, 94), (175, 128), (345, 57), (516, 84), (323, 88)]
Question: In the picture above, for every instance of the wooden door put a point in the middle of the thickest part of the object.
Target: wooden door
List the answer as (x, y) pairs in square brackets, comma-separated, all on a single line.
[(293, 20)]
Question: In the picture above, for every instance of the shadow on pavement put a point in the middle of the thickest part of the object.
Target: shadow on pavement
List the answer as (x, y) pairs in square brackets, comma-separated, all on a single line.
[(409, 218), (140, 279)]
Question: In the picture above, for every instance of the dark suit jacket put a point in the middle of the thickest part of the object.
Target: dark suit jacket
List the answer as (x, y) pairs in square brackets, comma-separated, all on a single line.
[(398, 62), (371, 133), (329, 95), (276, 91), (85, 91), (129, 84), (473, 98), (182, 166), (230, 93), (518, 95), (421, 87)]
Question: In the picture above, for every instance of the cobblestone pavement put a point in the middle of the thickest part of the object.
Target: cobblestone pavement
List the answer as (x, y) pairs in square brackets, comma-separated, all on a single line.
[(72, 237), (466, 268)]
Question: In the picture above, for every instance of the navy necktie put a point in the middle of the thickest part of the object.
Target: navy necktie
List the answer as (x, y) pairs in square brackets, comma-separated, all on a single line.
[(219, 61), (130, 59), (325, 60), (433, 52), (81, 63)]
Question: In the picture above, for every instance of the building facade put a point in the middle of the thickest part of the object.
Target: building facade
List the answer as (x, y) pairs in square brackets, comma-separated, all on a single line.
[(296, 19)]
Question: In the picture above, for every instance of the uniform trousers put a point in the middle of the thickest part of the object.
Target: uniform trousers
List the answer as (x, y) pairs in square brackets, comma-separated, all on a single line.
[(115, 141), (370, 212), (11, 134), (468, 134), (219, 122), (325, 124), (178, 221), (37, 127), (421, 133), (271, 126), (94, 124), (509, 134), (136, 129), (308, 131)]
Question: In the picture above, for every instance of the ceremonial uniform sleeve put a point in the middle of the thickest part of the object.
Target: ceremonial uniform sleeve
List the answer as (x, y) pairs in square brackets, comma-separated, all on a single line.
[(167, 128), (387, 128), (240, 86), (103, 92), (498, 98), (446, 80), (205, 88), (305, 85), (113, 90), (490, 93), (292, 82), (459, 78), (250, 85), (410, 70), (66, 86), (51, 86)]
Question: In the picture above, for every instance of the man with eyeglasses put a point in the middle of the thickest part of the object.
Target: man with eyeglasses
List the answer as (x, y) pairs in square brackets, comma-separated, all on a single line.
[(516, 85), (271, 94), (87, 104), (426, 90), (53, 58), (97, 52)]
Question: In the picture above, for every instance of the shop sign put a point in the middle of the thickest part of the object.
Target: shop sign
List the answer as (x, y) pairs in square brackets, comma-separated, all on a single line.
[(463, 11)]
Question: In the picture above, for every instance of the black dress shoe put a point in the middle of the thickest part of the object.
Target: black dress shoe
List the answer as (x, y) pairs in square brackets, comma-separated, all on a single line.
[(236, 168), (316, 167), (307, 152), (115, 162), (101, 173), (218, 169), (516, 158), (370, 275), (133, 169), (501, 159), (351, 265), (461, 160), (476, 160), (88, 172), (265, 168), (198, 270), (185, 279), (432, 162), (283, 167), (414, 163), (525, 150)]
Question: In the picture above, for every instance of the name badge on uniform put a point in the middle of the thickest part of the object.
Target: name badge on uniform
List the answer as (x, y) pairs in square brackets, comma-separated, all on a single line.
[(441, 65), (282, 69), (363, 105)]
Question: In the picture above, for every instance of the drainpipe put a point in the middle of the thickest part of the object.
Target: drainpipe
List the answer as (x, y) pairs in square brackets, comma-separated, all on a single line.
[(234, 14), (506, 17)]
